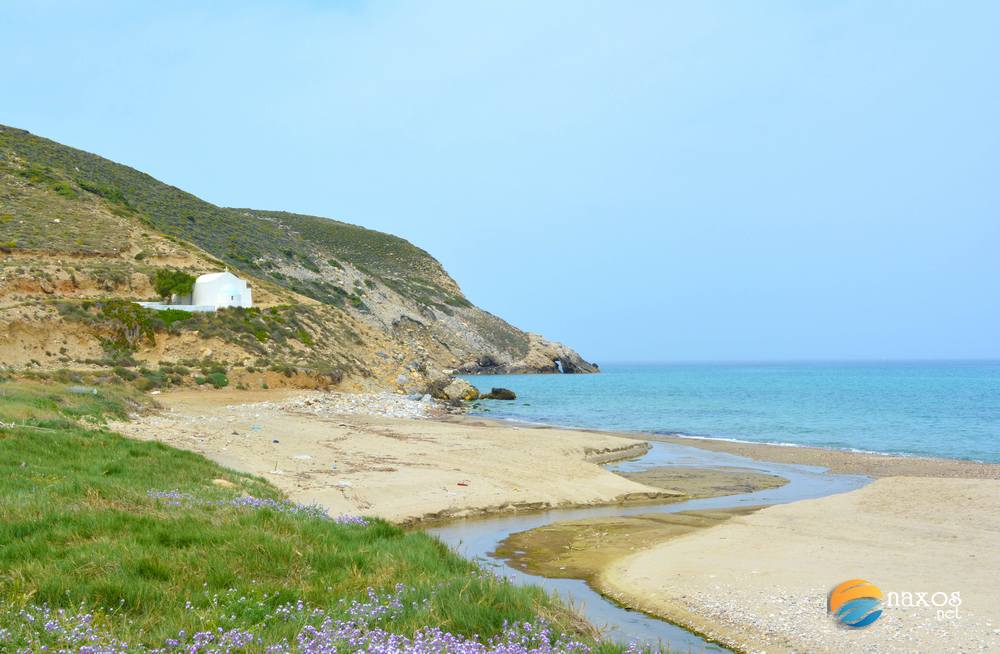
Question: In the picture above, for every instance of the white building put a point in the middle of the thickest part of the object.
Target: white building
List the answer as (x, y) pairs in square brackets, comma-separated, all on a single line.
[(211, 292), (221, 289)]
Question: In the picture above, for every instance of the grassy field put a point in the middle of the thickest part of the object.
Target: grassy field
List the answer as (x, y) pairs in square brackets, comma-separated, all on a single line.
[(105, 540)]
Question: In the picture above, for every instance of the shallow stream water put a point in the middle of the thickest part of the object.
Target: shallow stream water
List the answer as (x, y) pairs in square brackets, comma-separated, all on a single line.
[(476, 538)]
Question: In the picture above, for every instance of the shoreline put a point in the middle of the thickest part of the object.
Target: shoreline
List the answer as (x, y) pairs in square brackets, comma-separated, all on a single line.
[(848, 462), (392, 457), (869, 464), (425, 469), (183, 414)]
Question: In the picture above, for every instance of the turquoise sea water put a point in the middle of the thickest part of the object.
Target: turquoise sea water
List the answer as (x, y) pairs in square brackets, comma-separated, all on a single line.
[(932, 409)]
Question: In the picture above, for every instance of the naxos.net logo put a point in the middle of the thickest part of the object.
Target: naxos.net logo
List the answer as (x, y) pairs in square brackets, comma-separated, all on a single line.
[(855, 603), (858, 603)]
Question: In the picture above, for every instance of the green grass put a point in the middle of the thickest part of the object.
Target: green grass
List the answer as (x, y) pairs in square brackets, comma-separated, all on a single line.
[(77, 528)]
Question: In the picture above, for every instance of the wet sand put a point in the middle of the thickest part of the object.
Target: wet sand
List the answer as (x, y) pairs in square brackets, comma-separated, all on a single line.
[(584, 549), (848, 463), (705, 482)]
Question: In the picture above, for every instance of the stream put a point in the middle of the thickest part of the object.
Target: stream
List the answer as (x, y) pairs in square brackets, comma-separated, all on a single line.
[(476, 538)]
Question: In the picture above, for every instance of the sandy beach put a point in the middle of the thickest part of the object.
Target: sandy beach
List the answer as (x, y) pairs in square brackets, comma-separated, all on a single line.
[(385, 456), (755, 580), (759, 582)]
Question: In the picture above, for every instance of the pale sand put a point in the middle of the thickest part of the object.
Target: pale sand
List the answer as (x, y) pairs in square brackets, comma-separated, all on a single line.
[(401, 470), (759, 582)]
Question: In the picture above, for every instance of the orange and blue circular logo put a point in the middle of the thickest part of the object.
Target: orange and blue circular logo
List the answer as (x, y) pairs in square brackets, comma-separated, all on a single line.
[(856, 603)]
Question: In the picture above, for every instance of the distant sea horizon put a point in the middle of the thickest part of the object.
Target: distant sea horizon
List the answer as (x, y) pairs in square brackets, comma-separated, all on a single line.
[(934, 408)]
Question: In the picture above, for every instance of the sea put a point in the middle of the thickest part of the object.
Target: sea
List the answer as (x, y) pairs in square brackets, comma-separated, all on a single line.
[(937, 409)]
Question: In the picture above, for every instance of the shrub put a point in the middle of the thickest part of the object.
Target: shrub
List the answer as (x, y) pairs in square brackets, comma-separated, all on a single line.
[(209, 368), (169, 282), (308, 264), (170, 316), (109, 193), (129, 323), (65, 190), (218, 379), (124, 373), (152, 379)]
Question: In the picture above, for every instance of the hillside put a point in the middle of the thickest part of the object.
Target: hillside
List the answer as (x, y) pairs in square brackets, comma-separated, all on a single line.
[(81, 237)]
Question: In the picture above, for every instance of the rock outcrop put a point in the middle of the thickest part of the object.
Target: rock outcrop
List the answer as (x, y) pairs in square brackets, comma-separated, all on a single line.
[(458, 390), (499, 394), (543, 356)]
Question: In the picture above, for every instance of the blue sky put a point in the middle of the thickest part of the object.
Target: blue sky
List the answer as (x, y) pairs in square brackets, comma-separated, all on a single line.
[(642, 180)]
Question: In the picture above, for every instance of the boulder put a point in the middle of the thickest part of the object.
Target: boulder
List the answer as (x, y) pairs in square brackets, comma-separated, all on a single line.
[(459, 389), (499, 394)]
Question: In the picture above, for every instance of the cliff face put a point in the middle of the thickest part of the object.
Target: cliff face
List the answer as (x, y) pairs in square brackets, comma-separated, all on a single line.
[(333, 300)]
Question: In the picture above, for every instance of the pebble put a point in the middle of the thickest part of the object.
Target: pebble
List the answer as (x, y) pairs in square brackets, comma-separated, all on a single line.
[(388, 405)]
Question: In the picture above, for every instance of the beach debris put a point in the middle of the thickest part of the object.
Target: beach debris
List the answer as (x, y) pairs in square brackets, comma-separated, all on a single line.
[(343, 483), (464, 482), (255, 427), (302, 457), (275, 441)]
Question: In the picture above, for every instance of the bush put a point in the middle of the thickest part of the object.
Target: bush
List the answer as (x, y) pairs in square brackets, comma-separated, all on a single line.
[(170, 316), (169, 282), (218, 379)]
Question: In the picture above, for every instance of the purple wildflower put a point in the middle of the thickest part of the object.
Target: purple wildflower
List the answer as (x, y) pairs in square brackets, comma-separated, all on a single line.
[(177, 498), (352, 627)]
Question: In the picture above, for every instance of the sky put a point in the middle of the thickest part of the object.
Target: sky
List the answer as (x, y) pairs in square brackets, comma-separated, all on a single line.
[(645, 181)]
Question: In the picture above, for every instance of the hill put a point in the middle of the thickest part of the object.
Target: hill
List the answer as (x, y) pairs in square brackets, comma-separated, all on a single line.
[(81, 237)]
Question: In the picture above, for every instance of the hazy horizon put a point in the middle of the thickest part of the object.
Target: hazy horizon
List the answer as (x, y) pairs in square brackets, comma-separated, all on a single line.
[(654, 182)]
